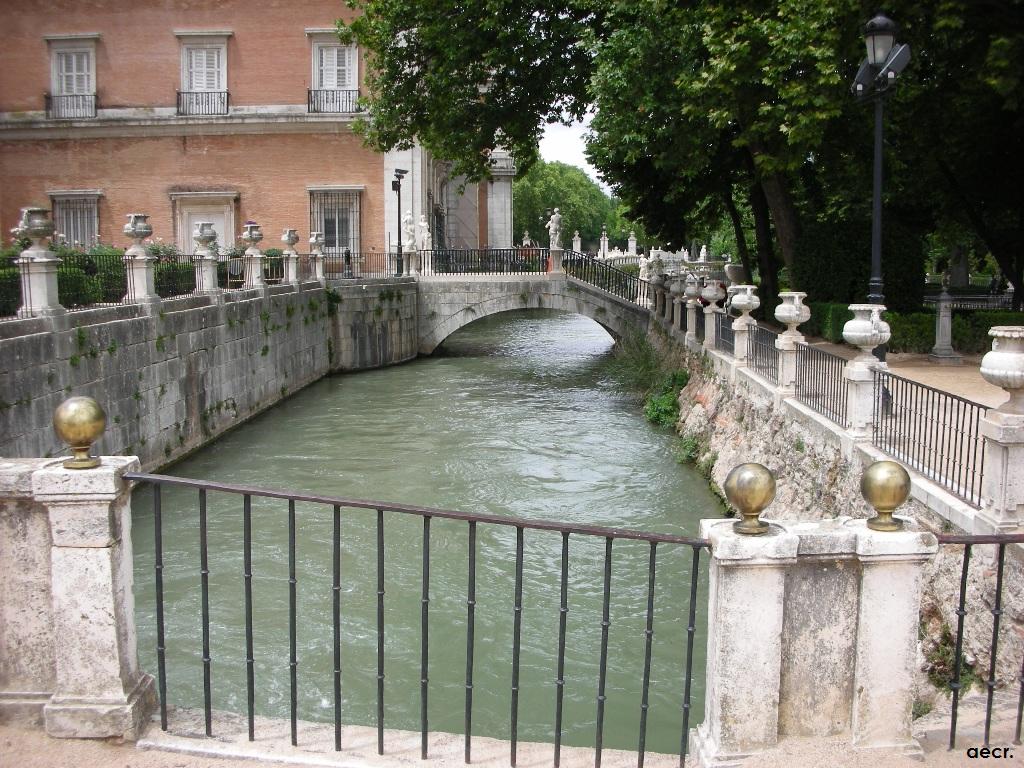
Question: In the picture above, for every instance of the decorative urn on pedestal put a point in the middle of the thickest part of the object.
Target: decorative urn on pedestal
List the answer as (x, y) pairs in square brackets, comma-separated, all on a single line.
[(692, 288), (252, 233), (866, 330), (138, 227), (745, 299), (792, 312), (1003, 366), (290, 237), (712, 291)]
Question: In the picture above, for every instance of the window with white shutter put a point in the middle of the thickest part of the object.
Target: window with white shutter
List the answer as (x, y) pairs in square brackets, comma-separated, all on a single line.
[(74, 73), (72, 92), (336, 67), (204, 70)]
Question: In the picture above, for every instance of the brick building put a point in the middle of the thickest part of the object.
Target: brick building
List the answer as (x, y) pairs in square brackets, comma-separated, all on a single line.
[(216, 110)]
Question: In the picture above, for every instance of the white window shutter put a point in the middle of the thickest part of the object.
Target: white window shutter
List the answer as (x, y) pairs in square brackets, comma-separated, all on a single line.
[(328, 67)]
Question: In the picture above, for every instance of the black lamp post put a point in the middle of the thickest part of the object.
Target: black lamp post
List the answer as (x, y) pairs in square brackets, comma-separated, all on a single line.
[(396, 185), (885, 60)]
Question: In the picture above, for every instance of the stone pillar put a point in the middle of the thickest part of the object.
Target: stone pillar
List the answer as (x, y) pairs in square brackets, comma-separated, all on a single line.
[(713, 292), (604, 243), (38, 266), (316, 256), (746, 601), (943, 352), (631, 243), (291, 259), (577, 242), (744, 299), (555, 263), (253, 255), (100, 690), (866, 331), (205, 260), (791, 313), (139, 264), (1002, 489)]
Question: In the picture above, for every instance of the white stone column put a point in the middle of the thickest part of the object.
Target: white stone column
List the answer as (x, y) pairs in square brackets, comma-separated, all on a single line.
[(746, 601), (1002, 489), (205, 260), (253, 256), (943, 352), (555, 264), (139, 264), (316, 256), (604, 243), (791, 313), (100, 690), (744, 299), (291, 259), (866, 331), (713, 292), (888, 612), (38, 266), (577, 242), (631, 243)]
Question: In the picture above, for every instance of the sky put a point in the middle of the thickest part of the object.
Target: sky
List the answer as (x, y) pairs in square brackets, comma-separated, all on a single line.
[(564, 143)]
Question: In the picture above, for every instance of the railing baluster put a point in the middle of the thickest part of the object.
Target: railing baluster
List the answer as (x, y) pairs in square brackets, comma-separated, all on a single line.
[(1020, 705), (336, 620), (424, 629), (691, 628), (517, 627), (954, 684), (603, 669), (648, 637), (380, 631), (470, 627), (158, 543), (293, 663), (997, 612), (563, 610), (204, 589), (247, 578)]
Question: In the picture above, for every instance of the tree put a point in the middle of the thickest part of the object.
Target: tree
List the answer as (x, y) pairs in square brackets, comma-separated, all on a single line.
[(545, 186)]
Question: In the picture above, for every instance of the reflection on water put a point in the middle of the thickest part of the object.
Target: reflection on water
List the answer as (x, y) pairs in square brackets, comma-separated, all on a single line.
[(514, 416)]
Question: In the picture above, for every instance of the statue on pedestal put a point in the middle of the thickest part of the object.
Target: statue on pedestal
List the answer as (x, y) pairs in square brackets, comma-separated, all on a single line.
[(554, 227), (425, 241)]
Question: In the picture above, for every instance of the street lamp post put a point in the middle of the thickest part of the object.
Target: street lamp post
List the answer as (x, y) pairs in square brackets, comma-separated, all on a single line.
[(885, 60), (396, 185)]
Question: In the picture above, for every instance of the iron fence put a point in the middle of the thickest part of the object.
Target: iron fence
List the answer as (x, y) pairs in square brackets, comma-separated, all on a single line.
[(203, 102), (231, 271), (273, 268), (606, 277), (995, 607), (725, 338), (504, 261), (980, 301), (762, 356), (14, 288), (346, 264), (820, 383), (936, 433), (87, 280), (332, 101), (329, 511), (175, 277), (79, 106)]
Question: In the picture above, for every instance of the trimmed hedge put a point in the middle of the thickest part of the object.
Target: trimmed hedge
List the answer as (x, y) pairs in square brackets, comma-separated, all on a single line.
[(827, 320), (10, 291), (174, 278), (915, 331)]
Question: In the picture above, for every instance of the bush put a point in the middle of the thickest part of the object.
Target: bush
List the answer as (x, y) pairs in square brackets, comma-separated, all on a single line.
[(832, 263), (970, 329), (174, 278), (662, 405), (630, 269), (827, 320), (10, 291), (911, 331), (76, 288)]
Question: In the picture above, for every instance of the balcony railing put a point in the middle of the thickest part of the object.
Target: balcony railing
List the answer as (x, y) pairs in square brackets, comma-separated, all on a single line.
[(332, 101), (203, 102), (76, 106)]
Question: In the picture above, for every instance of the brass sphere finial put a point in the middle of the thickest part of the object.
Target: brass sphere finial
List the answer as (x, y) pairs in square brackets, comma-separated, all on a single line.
[(79, 422), (750, 488), (885, 485)]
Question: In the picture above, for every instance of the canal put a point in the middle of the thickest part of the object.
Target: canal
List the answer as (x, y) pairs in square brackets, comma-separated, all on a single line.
[(516, 415)]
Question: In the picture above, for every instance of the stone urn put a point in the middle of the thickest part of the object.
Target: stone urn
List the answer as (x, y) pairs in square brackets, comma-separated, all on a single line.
[(1004, 365), (316, 242), (35, 224), (691, 289), (734, 273), (792, 312), (290, 237), (252, 233), (138, 227), (745, 299), (867, 329), (677, 288), (712, 291), (204, 235)]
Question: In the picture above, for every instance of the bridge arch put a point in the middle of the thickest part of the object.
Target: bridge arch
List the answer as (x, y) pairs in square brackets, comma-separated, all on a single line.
[(445, 306)]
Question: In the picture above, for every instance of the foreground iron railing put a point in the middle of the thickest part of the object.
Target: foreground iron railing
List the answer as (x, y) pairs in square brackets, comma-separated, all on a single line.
[(936, 433), (820, 383), (504, 261), (956, 681), (332, 100), (725, 339), (203, 102), (606, 277), (86, 280), (78, 106), (762, 356), (345, 264), (336, 504)]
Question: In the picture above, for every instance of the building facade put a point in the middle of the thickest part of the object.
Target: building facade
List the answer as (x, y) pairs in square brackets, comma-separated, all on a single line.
[(212, 110)]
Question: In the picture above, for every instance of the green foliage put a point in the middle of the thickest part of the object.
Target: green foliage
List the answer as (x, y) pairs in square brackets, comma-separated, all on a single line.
[(77, 289), (661, 406), (911, 331), (10, 290), (941, 661), (970, 329), (636, 364), (827, 320), (174, 278)]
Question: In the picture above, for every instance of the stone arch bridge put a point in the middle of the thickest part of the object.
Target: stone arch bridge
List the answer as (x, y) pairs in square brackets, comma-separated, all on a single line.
[(448, 303)]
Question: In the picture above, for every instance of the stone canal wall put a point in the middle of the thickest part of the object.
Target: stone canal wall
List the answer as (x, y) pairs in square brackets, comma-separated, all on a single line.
[(173, 380)]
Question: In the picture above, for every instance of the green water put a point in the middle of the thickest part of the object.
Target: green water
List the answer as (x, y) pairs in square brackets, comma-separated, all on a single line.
[(516, 415)]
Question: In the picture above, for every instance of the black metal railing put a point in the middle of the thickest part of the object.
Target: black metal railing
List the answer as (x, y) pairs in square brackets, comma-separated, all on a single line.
[(936, 433), (231, 271), (980, 301), (606, 277), (15, 288), (503, 261), (203, 102), (699, 326), (175, 277), (87, 280), (78, 106), (346, 264), (332, 101), (273, 268), (993, 604), (820, 383), (762, 356), (329, 509), (725, 339)]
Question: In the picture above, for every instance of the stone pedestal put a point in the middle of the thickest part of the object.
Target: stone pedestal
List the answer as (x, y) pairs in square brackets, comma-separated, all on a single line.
[(291, 267), (678, 308), (253, 268), (141, 276), (555, 263), (943, 352), (100, 690), (206, 273), (812, 632), (741, 338), (860, 398), (38, 267), (1002, 485), (786, 344), (710, 328), (692, 307)]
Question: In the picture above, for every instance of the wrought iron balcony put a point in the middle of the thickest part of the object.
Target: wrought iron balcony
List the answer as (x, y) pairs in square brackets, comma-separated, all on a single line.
[(78, 106), (333, 101), (203, 102)]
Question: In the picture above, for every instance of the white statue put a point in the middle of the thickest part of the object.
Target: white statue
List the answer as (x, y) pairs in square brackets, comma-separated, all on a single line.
[(554, 227), (426, 244), (703, 253), (644, 271), (527, 241), (409, 232)]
